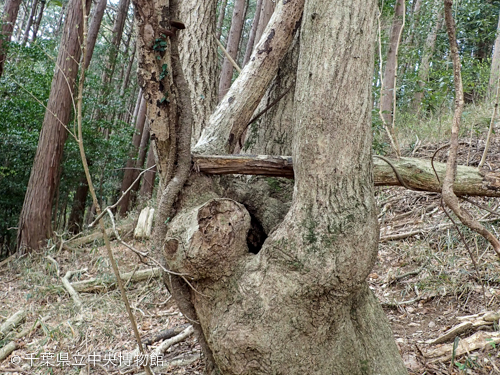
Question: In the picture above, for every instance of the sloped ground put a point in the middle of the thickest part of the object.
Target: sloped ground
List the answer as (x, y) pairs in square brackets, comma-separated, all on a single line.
[(425, 281)]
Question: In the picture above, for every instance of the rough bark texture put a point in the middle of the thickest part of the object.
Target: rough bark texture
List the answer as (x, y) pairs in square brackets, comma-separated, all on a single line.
[(35, 219), (301, 305), (430, 43), (10, 10), (232, 115), (233, 41), (198, 51), (389, 83)]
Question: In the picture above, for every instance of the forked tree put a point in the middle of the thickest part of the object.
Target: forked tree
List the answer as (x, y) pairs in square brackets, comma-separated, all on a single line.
[(300, 305)]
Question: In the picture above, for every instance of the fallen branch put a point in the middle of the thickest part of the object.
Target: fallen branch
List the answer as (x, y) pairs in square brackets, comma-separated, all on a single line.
[(479, 340), (72, 292), (176, 362), (166, 334), (416, 173), (174, 340), (12, 322), (11, 346), (98, 235), (108, 281)]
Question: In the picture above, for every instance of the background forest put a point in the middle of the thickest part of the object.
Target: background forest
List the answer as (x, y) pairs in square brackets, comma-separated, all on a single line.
[(113, 126)]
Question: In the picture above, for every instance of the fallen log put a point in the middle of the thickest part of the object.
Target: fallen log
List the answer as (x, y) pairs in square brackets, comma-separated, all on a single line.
[(97, 235), (416, 173)]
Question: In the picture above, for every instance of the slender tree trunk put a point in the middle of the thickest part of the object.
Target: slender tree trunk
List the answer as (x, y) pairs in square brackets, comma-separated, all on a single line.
[(62, 15), (126, 78), (129, 174), (21, 21), (30, 21), (139, 164), (430, 43), (265, 15), (148, 181), (10, 10), (95, 25), (253, 32), (389, 82), (75, 221), (233, 41), (35, 219), (38, 21), (220, 19), (495, 65), (116, 38)]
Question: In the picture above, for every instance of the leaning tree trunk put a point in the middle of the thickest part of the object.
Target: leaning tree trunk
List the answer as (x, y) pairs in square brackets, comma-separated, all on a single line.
[(35, 219), (233, 42), (10, 10), (259, 312)]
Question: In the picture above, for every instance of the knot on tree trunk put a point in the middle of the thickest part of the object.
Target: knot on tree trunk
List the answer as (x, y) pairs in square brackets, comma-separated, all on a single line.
[(207, 242)]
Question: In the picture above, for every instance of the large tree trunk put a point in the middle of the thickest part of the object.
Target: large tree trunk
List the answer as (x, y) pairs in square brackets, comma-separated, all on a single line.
[(259, 312), (198, 51), (233, 42), (35, 219), (10, 10), (389, 81)]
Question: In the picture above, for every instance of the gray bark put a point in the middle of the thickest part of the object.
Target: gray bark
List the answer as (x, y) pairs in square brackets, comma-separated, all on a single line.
[(259, 312)]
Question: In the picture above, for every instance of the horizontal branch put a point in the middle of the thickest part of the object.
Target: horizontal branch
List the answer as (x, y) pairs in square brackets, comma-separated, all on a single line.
[(416, 173)]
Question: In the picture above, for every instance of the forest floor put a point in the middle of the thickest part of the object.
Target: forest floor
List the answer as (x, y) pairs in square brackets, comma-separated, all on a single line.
[(425, 281)]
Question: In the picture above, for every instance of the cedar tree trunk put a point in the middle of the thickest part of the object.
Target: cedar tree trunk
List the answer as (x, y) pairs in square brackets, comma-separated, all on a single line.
[(10, 10), (35, 219)]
